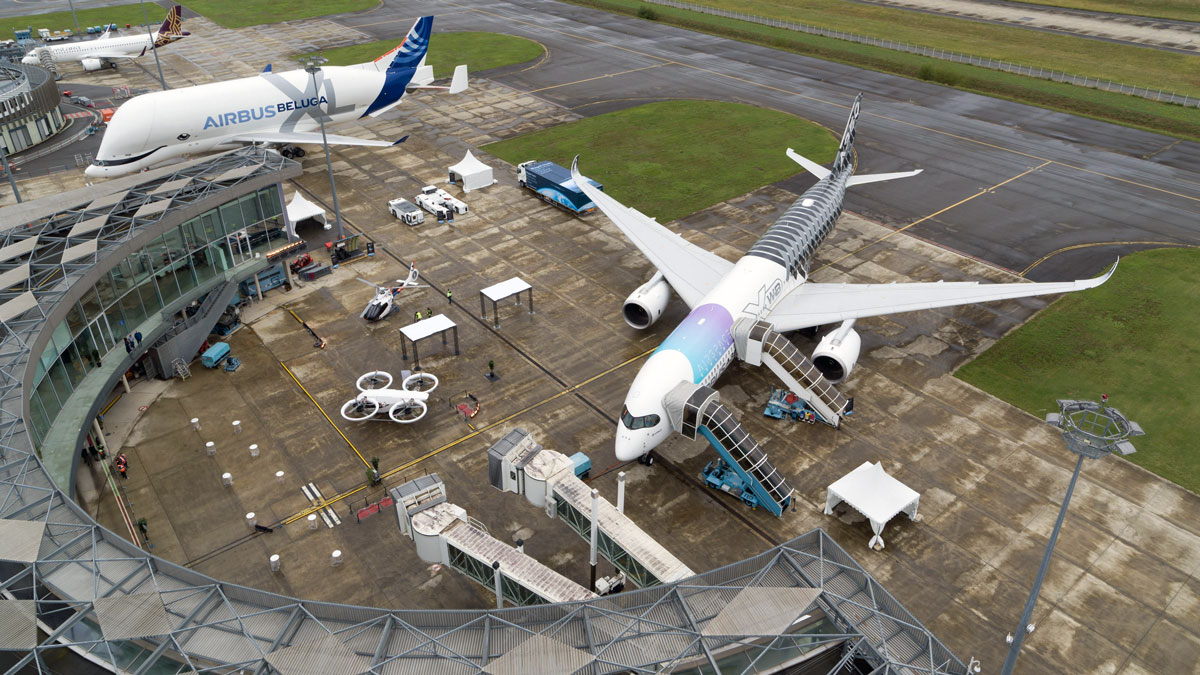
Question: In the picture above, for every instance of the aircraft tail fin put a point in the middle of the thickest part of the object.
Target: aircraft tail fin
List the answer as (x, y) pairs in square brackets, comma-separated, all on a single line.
[(171, 28), (845, 153), (408, 54)]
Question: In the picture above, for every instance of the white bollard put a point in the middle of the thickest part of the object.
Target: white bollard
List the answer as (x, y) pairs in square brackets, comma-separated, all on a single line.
[(210, 448), (312, 521), (251, 520), (336, 559), (254, 450), (227, 479), (275, 562), (196, 423), (237, 426), (621, 492), (279, 477)]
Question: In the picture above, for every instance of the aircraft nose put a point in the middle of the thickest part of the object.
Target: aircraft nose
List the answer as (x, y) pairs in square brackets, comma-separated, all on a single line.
[(93, 171), (627, 448)]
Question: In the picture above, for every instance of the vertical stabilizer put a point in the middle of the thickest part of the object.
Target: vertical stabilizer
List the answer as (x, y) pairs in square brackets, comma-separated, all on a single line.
[(845, 153), (411, 52), (171, 28)]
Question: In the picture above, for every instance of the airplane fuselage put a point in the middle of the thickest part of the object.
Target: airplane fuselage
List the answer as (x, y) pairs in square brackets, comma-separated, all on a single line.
[(164, 126), (701, 347), (130, 47)]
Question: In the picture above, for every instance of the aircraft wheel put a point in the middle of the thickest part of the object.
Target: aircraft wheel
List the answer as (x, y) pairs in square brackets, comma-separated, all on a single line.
[(376, 379), (357, 410), (407, 412), (425, 382), (299, 152)]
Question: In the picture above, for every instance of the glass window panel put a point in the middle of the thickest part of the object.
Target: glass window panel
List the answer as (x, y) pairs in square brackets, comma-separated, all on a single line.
[(150, 297), (173, 241), (250, 210), (185, 275), (131, 304), (105, 290), (61, 336), (193, 234), (75, 366), (91, 346), (49, 399), (58, 377), (90, 303), (122, 276), (37, 415), (203, 264), (231, 217), (116, 323), (212, 226), (268, 203), (75, 319)]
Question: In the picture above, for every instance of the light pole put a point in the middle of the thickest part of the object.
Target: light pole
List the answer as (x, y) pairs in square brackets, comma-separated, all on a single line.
[(313, 66), (73, 17), (1091, 430), (153, 46)]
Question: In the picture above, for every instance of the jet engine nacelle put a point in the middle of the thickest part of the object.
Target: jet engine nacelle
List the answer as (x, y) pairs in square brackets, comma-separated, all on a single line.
[(92, 64), (643, 307), (837, 353)]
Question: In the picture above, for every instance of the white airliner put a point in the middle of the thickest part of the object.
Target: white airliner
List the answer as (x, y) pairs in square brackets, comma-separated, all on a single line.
[(769, 283), (94, 54), (275, 108)]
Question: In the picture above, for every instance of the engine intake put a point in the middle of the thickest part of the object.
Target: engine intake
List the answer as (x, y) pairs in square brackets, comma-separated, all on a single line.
[(648, 302), (92, 64), (837, 353)]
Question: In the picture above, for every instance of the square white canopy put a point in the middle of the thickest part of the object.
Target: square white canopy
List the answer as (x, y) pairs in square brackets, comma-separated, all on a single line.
[(875, 494), (426, 327), (505, 289), (300, 209)]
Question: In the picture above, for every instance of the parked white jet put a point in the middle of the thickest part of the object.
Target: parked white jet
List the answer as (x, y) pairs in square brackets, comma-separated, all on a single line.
[(770, 283), (94, 54), (276, 108)]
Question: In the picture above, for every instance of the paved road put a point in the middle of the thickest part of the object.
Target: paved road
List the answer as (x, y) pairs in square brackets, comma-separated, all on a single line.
[(1004, 182)]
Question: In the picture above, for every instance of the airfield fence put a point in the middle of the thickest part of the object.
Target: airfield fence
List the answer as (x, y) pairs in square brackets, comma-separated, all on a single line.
[(946, 55)]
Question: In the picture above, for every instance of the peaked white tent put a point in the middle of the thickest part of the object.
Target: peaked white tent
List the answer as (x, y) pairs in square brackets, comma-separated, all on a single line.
[(872, 492), (301, 209), (471, 173)]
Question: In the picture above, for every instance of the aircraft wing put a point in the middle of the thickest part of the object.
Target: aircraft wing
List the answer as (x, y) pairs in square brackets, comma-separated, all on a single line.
[(813, 304), (691, 270), (111, 54), (308, 137)]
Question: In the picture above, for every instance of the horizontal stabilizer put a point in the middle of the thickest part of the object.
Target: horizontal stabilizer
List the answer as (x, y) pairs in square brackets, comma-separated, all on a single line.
[(809, 165), (877, 177), (309, 137)]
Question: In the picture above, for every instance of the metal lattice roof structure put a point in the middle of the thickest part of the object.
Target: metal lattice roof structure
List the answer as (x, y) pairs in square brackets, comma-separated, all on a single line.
[(87, 588)]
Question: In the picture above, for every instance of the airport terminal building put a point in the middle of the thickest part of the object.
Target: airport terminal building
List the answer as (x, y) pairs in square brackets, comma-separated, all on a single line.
[(160, 254), (29, 112)]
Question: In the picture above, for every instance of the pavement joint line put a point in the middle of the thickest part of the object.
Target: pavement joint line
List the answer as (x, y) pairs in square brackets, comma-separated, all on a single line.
[(323, 414), (597, 77), (411, 463), (840, 105), (1064, 249), (960, 202)]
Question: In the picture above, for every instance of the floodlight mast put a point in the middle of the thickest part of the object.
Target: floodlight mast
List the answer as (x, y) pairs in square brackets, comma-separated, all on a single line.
[(312, 65), (1090, 430)]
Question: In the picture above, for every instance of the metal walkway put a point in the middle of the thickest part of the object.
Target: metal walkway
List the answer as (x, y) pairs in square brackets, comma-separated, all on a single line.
[(757, 343), (547, 478), (697, 410), (444, 534)]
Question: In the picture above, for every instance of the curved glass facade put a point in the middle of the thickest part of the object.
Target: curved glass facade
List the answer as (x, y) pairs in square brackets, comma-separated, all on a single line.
[(148, 281)]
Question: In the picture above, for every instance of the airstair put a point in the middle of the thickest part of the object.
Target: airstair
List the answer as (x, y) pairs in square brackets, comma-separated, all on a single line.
[(46, 60), (758, 343), (445, 534), (695, 410), (547, 478)]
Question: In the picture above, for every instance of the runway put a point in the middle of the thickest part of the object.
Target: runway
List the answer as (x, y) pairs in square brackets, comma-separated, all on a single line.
[(1009, 183)]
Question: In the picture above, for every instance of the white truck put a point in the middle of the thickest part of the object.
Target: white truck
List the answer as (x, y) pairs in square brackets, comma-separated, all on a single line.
[(404, 210), (436, 200)]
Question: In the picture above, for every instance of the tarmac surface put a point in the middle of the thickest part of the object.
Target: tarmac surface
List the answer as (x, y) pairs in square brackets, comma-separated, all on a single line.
[(1122, 595), (1003, 182)]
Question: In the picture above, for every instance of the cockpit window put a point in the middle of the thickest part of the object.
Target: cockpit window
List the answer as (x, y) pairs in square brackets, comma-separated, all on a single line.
[(633, 423)]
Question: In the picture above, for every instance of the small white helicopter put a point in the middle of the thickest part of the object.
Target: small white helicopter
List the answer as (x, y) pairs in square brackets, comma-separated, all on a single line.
[(381, 305), (405, 405)]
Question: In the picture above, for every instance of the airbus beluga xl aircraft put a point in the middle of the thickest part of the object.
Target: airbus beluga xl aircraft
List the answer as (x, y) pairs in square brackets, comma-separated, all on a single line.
[(767, 291), (276, 108)]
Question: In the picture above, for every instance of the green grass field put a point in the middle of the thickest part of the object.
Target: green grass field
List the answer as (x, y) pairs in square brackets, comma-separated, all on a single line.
[(241, 13), (1141, 66), (1134, 338), (1108, 106), (1180, 10), (120, 15), (480, 51), (673, 158)]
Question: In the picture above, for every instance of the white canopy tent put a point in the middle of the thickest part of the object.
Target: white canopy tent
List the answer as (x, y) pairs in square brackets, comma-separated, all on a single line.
[(301, 209), (875, 494), (471, 173)]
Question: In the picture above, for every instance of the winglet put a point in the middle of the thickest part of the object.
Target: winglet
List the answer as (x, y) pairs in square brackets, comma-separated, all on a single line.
[(402, 139), (267, 69)]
